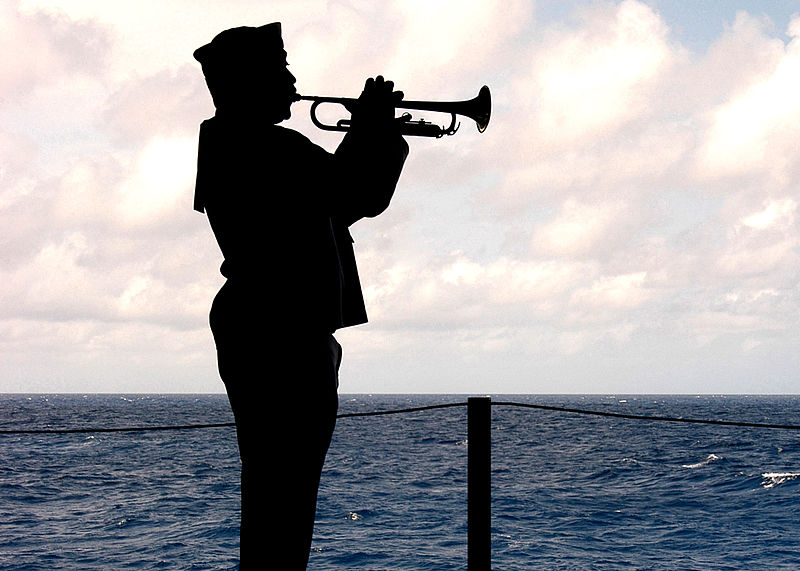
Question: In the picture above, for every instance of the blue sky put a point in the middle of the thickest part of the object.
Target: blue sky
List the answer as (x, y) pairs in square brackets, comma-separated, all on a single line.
[(628, 223)]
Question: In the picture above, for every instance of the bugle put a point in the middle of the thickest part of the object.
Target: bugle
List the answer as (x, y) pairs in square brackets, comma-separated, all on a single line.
[(479, 109)]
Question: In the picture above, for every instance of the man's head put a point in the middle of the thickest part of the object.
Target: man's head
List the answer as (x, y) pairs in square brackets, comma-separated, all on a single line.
[(246, 73)]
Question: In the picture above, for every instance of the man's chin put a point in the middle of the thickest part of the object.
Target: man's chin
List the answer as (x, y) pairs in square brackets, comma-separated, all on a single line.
[(280, 116)]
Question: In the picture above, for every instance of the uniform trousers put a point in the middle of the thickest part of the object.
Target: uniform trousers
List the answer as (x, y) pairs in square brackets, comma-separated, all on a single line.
[(282, 387)]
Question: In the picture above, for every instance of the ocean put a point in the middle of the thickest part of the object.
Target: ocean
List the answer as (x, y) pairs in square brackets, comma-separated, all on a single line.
[(568, 491)]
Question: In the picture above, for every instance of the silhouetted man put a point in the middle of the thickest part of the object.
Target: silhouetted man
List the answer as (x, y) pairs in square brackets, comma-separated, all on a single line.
[(280, 208)]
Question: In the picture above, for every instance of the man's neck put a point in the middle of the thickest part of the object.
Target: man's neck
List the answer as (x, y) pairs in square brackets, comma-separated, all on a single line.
[(246, 115)]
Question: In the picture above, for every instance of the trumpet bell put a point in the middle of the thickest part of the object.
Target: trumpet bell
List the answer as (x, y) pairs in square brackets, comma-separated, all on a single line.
[(483, 109), (479, 109)]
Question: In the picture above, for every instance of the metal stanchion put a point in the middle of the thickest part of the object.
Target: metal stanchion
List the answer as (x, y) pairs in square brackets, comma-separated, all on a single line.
[(479, 484)]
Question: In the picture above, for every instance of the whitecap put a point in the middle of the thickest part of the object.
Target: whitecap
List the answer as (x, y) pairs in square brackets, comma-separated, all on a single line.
[(709, 459), (772, 479)]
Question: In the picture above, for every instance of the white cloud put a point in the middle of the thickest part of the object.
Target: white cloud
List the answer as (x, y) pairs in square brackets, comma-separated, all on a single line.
[(54, 47), (460, 292), (162, 181), (615, 291), (587, 82), (630, 200), (580, 229), (780, 212), (757, 130), (169, 103), (456, 39), (590, 116)]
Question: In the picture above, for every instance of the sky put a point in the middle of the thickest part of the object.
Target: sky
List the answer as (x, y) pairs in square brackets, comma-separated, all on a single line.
[(628, 223)]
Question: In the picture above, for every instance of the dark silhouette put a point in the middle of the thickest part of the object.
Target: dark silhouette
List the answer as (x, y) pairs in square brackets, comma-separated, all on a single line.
[(280, 207)]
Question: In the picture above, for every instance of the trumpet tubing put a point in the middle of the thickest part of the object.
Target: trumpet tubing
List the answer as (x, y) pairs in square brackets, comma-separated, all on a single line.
[(479, 109)]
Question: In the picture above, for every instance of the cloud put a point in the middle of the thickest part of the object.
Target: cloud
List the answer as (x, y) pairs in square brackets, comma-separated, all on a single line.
[(775, 213), (614, 291), (756, 130), (588, 82), (457, 292), (631, 201), (169, 103), (55, 47), (456, 40), (591, 116), (580, 229), (162, 183)]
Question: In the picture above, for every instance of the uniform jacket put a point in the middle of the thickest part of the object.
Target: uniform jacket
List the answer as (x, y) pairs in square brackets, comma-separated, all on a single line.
[(280, 208)]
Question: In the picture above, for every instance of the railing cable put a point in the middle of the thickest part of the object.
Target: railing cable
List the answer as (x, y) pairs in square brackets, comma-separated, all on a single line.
[(400, 410), (422, 408), (216, 425), (648, 417), (120, 429)]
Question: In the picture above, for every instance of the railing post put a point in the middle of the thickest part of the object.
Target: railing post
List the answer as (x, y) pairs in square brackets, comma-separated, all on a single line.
[(479, 484)]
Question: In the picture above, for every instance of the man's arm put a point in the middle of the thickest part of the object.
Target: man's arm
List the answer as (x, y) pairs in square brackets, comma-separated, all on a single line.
[(370, 158)]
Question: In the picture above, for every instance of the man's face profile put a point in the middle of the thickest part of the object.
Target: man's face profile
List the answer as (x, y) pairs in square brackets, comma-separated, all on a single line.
[(281, 92), (265, 90), (247, 74)]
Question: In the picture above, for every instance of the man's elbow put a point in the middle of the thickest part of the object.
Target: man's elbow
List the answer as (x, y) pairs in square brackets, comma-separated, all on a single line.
[(381, 180), (382, 192), (376, 207)]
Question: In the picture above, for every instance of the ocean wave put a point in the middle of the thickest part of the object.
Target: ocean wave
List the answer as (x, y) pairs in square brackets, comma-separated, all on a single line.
[(709, 459), (772, 479)]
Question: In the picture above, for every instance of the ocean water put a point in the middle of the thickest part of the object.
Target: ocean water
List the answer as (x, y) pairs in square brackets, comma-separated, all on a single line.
[(569, 491)]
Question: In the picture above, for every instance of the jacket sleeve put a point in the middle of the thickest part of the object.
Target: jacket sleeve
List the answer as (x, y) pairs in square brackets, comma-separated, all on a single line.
[(368, 168)]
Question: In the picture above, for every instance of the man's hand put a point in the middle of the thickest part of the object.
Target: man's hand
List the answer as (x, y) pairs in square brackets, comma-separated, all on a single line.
[(375, 109)]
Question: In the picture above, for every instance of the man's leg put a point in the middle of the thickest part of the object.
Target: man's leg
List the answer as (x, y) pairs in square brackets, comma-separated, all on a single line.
[(284, 428)]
